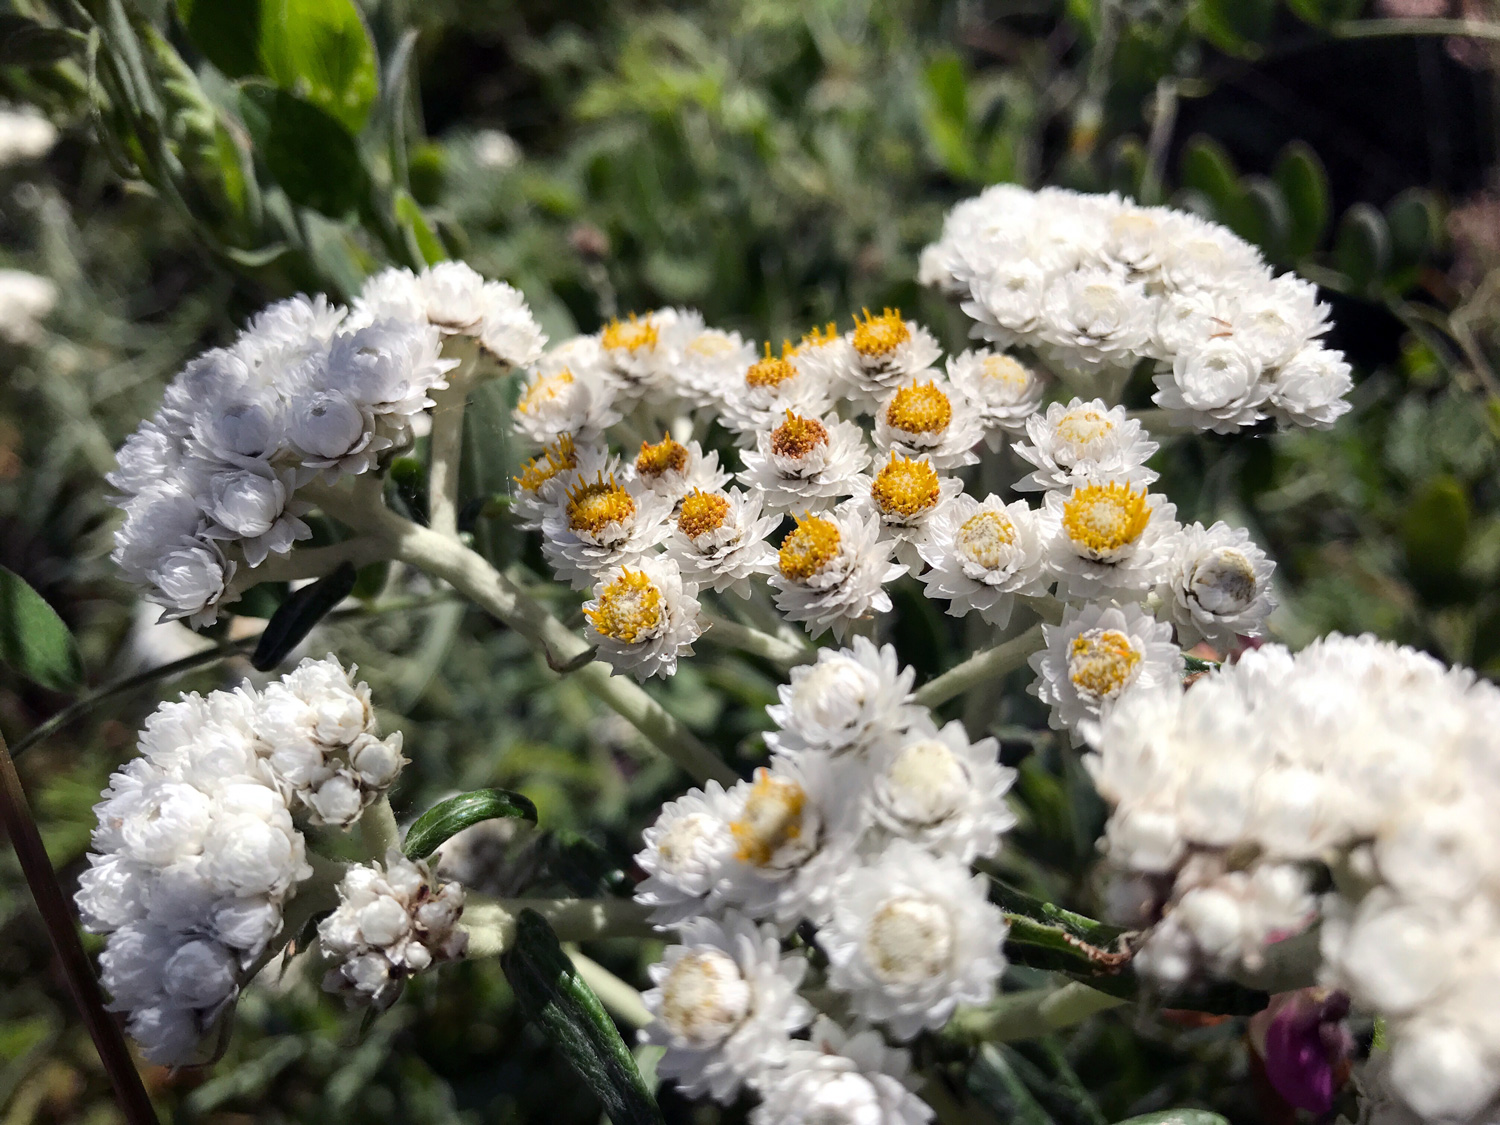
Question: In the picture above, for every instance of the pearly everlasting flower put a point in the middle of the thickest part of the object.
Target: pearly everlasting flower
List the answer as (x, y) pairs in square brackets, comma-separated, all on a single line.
[(724, 1006), (673, 468), (766, 388), (1094, 318), (1201, 254), (1098, 654), (255, 509), (642, 352), (983, 554), (1109, 539), (1217, 586), (913, 936), (709, 367), (600, 524), (1082, 441), (546, 478), (927, 417), (685, 855), (831, 571), (25, 298), (939, 790), (803, 461), (843, 702), (838, 1078), (1215, 386), (880, 354), (557, 401), (1311, 389), (1001, 390), (392, 921), (906, 495), (644, 619), (719, 540), (455, 299)]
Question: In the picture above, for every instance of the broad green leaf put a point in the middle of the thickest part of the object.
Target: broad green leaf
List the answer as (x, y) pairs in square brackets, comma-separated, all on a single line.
[(1176, 1117), (448, 818), (1304, 182), (1207, 168), (320, 50), (566, 1010), (1268, 216), (25, 42), (1363, 247), (34, 642), (226, 31), (308, 153), (1414, 221), (302, 610)]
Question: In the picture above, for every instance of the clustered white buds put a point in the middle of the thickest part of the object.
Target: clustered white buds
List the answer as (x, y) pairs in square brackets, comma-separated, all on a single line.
[(1094, 283), (863, 827), (1232, 797), (309, 391), (197, 849), (392, 921)]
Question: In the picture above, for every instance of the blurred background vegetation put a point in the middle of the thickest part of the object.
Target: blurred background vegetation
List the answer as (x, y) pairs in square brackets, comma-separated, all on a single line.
[(775, 164)]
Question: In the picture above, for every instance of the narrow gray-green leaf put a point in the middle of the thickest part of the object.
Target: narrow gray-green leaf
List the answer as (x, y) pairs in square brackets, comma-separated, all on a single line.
[(448, 818), (302, 610), (551, 994), (33, 640)]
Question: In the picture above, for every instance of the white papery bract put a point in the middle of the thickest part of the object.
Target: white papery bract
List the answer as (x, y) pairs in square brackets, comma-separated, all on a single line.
[(832, 569), (196, 851), (392, 921), (1001, 390), (561, 400), (725, 1005), (673, 468), (708, 367), (643, 619), (879, 354), (1082, 441), (1217, 586), (925, 416), (1312, 388), (801, 462), (985, 553), (720, 540), (1098, 654), (642, 353), (911, 937), (1109, 539), (843, 702), (836, 1078), (767, 387), (454, 298), (906, 495), (601, 523), (685, 855)]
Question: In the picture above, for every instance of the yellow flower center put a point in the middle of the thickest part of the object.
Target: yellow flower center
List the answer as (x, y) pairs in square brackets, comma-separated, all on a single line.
[(921, 408), (556, 458), (876, 337), (908, 940), (798, 436), (808, 547), (772, 371), (1006, 369), (547, 388), (710, 345), (1083, 425), (631, 336), (771, 819), (628, 606), (1102, 518), (818, 337), (593, 507), (701, 513), (1102, 662), (985, 538), (905, 487), (666, 456)]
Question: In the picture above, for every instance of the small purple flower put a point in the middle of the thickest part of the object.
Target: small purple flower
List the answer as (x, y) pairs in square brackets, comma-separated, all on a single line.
[(1306, 1046)]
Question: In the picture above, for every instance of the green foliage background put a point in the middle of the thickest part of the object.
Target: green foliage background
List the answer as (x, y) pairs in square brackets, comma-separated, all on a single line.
[(775, 164)]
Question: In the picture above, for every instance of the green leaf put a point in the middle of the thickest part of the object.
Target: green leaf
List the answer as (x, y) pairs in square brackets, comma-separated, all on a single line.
[(1304, 182), (1234, 26), (308, 153), (994, 1082), (320, 50), (1414, 221), (1207, 168), (418, 230), (448, 818), (1321, 13), (549, 991), (1176, 1117), (25, 42), (34, 642), (1363, 247), (1268, 215), (371, 580), (226, 31), (302, 610), (1435, 530)]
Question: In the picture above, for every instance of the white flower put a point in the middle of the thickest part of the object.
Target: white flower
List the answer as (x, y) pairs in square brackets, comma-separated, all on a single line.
[(644, 619), (906, 495), (25, 134), (1083, 441), (457, 300), (1094, 318), (685, 853), (880, 354), (256, 511), (600, 524), (831, 571), (1000, 389), (709, 368), (724, 1006), (938, 789), (803, 462), (547, 476), (25, 298), (1199, 254), (643, 351), (928, 417), (765, 389), (1098, 654), (1007, 301), (1217, 586), (840, 1079), (913, 936), (843, 702), (391, 922), (1109, 539), (983, 554), (1216, 386), (719, 539), (674, 469), (1311, 389), (557, 401)]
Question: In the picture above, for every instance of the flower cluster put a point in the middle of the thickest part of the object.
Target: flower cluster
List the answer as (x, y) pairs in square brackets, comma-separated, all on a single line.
[(309, 392), (1094, 283), (198, 848), (863, 828), (1235, 798), (391, 922)]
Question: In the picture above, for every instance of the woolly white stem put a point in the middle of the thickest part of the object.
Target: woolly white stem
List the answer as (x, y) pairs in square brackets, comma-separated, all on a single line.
[(378, 831), (492, 922), (620, 998), (749, 639), (1030, 1014), (448, 438), (981, 668), (305, 562)]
